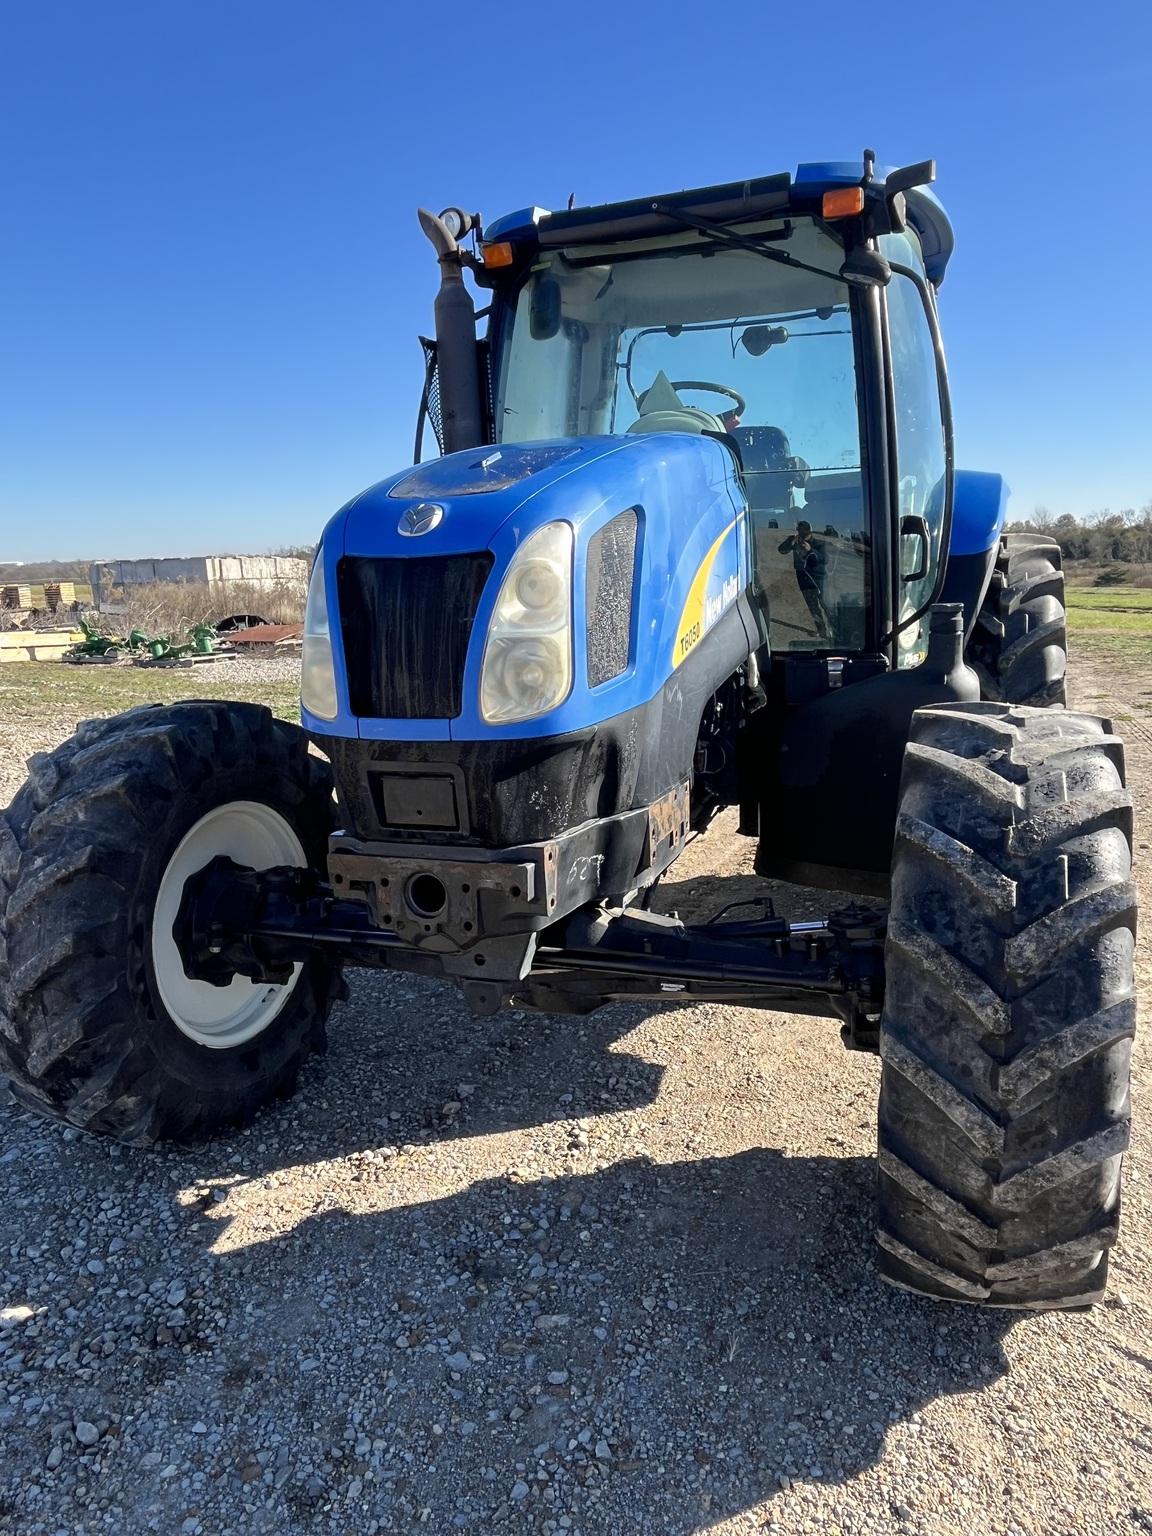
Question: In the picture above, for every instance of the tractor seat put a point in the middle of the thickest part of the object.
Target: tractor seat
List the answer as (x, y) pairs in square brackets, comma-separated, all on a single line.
[(762, 447), (687, 419), (662, 410)]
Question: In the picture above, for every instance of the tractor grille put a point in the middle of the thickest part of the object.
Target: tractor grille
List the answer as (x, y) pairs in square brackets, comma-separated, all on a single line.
[(406, 626), (611, 559)]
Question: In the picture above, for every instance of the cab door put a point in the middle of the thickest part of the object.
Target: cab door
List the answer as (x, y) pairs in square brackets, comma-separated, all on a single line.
[(922, 445)]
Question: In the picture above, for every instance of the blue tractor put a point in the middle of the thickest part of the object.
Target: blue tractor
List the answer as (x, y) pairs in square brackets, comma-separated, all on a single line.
[(695, 539)]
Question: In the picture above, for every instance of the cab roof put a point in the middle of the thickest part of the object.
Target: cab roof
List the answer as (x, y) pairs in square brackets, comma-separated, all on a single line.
[(729, 203)]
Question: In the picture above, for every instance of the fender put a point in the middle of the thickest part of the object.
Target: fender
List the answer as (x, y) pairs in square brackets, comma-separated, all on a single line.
[(979, 510)]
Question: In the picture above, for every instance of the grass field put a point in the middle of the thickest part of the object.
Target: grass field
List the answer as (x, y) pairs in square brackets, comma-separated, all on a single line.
[(1111, 599), (41, 703), (1114, 623)]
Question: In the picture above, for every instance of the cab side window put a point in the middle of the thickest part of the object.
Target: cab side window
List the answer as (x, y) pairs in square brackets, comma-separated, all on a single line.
[(921, 453)]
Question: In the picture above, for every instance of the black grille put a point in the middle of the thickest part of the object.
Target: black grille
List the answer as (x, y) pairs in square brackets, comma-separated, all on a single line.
[(406, 626), (611, 559)]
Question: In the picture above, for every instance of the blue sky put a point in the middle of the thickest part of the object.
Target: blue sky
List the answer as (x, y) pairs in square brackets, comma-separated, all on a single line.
[(212, 277)]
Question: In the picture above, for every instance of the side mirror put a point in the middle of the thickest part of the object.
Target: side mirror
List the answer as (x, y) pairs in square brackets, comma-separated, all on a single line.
[(544, 307), (756, 339), (922, 174), (865, 268)]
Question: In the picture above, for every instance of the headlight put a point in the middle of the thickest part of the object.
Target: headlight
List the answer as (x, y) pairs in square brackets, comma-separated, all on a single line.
[(527, 667), (317, 672), (540, 588)]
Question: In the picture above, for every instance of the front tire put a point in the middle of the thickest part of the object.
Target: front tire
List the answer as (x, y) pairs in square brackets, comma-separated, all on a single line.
[(1019, 646), (1009, 1009), (99, 1026)]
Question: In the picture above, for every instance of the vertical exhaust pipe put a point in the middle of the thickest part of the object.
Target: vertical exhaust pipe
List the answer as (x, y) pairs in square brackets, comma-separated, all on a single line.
[(457, 360)]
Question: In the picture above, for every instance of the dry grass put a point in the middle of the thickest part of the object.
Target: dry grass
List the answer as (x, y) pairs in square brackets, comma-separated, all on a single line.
[(1085, 573), (169, 608)]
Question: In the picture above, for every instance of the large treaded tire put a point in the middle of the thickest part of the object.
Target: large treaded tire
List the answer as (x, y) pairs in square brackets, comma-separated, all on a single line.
[(1009, 1009), (1019, 646), (83, 1033)]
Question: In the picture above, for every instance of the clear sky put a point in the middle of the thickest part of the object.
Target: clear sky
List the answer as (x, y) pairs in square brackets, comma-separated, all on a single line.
[(212, 277)]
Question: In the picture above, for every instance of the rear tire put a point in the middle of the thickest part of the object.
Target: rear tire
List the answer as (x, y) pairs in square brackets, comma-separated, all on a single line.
[(1009, 1009), (1019, 646), (85, 1034)]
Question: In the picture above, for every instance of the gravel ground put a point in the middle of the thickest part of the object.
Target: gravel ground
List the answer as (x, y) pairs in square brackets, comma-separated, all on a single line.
[(550, 1275)]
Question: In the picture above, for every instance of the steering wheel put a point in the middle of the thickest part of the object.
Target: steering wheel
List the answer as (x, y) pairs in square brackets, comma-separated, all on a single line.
[(739, 403)]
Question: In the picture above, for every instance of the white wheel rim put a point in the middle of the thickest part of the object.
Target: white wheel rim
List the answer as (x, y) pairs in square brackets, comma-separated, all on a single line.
[(251, 834)]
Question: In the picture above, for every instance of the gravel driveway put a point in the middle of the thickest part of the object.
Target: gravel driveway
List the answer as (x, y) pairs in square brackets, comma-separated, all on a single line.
[(545, 1274)]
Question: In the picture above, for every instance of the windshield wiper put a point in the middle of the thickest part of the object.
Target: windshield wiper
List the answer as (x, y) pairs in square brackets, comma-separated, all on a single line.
[(728, 236)]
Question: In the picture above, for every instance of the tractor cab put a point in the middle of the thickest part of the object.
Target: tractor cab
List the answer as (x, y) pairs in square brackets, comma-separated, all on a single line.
[(794, 319), (691, 336)]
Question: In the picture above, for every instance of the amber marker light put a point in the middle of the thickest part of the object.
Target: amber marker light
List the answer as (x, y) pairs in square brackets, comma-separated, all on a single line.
[(843, 202), (498, 254)]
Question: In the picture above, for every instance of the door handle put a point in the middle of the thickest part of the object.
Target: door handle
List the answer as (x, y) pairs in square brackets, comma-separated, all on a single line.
[(913, 527)]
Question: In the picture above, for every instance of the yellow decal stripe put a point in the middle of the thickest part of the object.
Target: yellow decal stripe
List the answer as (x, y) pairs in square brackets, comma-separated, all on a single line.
[(690, 630)]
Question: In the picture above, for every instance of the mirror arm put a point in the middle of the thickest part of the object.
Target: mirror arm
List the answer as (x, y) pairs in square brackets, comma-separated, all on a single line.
[(885, 206)]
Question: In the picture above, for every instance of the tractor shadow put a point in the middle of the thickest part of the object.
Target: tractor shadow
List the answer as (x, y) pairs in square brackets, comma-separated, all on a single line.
[(718, 1321), (643, 1347), (702, 897), (407, 1063)]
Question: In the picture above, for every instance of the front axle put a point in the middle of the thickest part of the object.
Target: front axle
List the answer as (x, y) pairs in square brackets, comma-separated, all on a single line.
[(236, 921)]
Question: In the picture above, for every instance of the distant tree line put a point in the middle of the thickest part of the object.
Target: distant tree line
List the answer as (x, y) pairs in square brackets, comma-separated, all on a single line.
[(43, 570), (1101, 537)]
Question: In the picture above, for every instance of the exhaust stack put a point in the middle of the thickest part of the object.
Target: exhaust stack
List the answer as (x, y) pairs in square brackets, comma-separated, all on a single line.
[(457, 358)]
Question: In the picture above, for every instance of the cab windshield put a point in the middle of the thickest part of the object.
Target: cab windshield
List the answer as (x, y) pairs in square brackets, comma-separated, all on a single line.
[(689, 335)]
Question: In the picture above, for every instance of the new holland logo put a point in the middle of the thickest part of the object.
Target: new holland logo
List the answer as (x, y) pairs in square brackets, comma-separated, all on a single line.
[(420, 519)]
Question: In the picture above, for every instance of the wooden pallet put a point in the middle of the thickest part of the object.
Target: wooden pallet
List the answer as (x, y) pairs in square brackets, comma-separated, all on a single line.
[(43, 596), (36, 644), (183, 661)]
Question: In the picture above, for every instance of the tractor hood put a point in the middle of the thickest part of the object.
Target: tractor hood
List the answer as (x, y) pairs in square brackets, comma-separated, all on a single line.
[(414, 566), (459, 503)]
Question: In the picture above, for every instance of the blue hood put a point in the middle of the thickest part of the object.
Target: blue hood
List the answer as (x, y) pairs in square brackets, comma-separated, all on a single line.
[(691, 554)]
